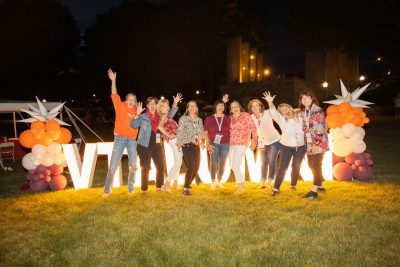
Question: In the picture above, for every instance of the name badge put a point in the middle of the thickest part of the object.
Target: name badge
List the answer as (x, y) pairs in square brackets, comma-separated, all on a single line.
[(308, 138), (158, 138), (217, 139), (260, 143)]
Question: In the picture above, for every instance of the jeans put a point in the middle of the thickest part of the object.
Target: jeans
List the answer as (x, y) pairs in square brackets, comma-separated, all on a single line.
[(236, 154), (268, 159), (191, 153), (120, 143), (315, 164), (218, 159), (156, 152), (173, 173), (287, 153)]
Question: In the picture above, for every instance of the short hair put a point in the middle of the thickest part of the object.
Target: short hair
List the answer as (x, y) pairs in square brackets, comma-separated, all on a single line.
[(161, 102), (187, 107), (217, 103), (295, 115), (237, 102), (151, 98), (262, 107), (130, 94), (311, 94)]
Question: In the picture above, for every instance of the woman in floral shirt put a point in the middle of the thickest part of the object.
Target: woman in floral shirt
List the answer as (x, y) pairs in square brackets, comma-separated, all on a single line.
[(242, 130), (168, 127), (316, 138)]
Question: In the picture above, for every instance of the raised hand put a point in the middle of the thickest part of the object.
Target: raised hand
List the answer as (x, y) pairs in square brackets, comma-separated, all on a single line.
[(177, 99), (268, 97), (112, 75), (139, 108), (225, 98)]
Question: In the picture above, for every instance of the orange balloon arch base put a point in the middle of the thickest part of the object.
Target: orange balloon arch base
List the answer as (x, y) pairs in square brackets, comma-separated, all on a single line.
[(337, 115), (45, 134)]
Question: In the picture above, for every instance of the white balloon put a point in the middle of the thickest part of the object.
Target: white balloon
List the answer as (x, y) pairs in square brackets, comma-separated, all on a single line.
[(37, 162), (27, 163), (348, 129), (48, 160), (54, 148), (360, 131), (342, 147), (358, 145), (38, 149)]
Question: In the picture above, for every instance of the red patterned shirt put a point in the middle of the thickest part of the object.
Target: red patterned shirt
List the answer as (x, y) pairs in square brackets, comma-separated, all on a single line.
[(242, 130)]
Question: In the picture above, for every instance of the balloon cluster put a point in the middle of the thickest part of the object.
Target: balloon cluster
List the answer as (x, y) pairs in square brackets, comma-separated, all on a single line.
[(349, 160), (43, 177), (337, 115), (348, 139), (45, 134), (355, 165), (46, 162)]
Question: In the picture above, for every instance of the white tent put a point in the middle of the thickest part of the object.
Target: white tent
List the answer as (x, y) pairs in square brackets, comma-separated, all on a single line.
[(15, 106)]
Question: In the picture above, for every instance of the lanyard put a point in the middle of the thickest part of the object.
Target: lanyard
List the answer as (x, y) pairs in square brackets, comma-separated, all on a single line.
[(307, 117), (219, 123)]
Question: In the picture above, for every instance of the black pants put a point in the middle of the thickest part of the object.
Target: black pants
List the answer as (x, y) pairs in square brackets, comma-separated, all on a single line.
[(156, 152), (191, 153), (315, 164)]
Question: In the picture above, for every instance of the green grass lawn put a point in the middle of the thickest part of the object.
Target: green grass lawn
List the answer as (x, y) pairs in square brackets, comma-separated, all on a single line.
[(353, 224)]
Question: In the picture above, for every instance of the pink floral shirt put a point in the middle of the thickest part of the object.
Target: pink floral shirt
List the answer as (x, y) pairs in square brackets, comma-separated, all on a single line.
[(314, 126), (242, 130)]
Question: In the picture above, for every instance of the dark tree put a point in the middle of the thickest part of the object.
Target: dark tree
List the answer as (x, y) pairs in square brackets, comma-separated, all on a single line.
[(160, 48), (39, 41)]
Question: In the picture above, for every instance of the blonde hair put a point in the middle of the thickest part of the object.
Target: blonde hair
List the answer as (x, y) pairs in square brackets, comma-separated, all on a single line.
[(130, 94), (295, 114), (160, 103), (237, 102)]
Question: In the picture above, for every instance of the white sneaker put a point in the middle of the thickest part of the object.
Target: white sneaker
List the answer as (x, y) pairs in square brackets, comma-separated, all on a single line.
[(105, 195), (213, 185), (220, 185), (131, 193)]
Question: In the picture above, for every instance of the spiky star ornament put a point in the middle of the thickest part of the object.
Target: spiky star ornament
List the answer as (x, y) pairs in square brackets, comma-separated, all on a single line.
[(41, 113), (351, 98)]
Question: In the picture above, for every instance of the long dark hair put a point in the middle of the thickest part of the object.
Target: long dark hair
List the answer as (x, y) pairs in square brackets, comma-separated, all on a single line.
[(311, 94)]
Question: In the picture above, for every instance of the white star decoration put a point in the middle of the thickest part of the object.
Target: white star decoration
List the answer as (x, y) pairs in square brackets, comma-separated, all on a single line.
[(41, 113), (351, 98)]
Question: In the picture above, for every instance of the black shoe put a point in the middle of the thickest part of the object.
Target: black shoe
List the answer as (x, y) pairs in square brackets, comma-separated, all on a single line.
[(321, 190), (187, 193), (274, 192), (311, 195), (292, 188)]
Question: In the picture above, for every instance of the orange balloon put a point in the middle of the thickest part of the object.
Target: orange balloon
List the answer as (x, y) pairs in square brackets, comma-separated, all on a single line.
[(357, 110), (52, 125), (38, 126), (345, 107), (357, 120), (55, 134), (366, 120), (363, 114), (27, 140), (65, 136), (334, 120), (332, 109), (46, 139)]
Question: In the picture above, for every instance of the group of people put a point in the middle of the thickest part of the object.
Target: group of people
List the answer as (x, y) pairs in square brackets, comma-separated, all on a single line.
[(141, 130)]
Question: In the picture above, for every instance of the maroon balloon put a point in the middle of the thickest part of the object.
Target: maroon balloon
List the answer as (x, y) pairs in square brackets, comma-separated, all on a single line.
[(38, 185), (40, 169), (343, 171), (336, 159), (363, 173), (350, 159), (370, 162), (58, 182), (30, 176), (56, 169)]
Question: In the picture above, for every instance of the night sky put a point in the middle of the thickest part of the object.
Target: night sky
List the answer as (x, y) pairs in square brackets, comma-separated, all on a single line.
[(283, 55)]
